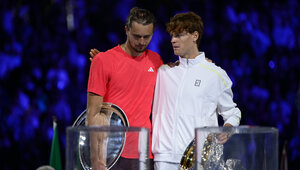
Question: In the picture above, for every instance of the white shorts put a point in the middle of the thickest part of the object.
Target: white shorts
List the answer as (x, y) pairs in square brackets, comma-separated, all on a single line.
[(159, 165)]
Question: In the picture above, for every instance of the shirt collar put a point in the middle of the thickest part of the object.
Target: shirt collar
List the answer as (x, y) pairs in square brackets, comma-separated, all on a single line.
[(190, 62)]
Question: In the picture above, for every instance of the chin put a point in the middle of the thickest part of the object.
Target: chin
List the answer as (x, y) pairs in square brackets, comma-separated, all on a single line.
[(176, 53), (140, 51), (141, 48)]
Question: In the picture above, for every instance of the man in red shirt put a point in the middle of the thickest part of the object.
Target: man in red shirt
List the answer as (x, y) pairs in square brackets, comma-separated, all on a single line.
[(125, 75)]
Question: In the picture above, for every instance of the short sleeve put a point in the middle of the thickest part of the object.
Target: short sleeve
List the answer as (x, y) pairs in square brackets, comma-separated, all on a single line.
[(98, 75)]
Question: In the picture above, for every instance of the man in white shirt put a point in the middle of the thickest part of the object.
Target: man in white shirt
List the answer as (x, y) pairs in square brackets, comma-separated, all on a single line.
[(187, 96)]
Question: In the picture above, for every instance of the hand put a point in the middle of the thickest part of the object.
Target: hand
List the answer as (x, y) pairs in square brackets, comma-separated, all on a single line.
[(222, 138), (170, 64), (93, 53), (209, 60), (98, 150), (98, 166)]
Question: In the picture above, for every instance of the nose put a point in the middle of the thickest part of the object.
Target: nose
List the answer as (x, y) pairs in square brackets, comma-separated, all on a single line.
[(142, 41), (173, 39)]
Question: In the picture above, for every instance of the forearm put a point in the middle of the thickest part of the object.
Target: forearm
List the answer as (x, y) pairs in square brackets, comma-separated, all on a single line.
[(98, 140), (94, 104)]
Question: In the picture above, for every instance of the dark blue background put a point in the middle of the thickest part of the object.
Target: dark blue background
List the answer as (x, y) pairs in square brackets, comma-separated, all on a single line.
[(44, 46)]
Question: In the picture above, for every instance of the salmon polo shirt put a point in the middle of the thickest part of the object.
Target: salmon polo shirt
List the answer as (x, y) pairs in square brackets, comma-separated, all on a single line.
[(129, 83)]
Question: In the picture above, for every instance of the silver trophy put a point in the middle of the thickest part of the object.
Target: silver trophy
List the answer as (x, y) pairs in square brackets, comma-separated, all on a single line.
[(112, 144)]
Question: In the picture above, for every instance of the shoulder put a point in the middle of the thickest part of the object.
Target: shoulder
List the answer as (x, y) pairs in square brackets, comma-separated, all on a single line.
[(154, 57), (153, 54), (106, 56), (217, 72), (164, 67)]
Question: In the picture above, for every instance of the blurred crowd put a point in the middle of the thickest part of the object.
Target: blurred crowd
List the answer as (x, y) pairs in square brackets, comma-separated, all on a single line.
[(44, 64)]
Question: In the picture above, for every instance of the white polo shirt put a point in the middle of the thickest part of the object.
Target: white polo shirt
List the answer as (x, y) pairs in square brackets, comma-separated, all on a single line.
[(188, 96)]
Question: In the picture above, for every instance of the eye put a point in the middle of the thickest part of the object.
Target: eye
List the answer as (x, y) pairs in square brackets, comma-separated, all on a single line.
[(177, 35), (137, 36), (181, 34), (147, 37)]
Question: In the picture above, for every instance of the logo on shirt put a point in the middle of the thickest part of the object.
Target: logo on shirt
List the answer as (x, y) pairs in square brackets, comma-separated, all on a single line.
[(150, 69), (197, 83)]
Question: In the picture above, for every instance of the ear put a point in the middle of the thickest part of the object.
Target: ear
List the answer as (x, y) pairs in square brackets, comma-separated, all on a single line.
[(195, 36), (126, 29)]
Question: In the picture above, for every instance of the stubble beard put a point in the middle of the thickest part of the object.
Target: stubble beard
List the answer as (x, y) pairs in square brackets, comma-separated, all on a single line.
[(136, 49)]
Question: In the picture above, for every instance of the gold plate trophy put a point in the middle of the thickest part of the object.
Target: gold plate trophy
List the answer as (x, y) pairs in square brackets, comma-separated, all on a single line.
[(188, 158), (212, 156)]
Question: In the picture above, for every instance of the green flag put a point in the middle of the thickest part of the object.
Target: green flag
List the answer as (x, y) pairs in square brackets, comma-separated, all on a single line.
[(55, 160)]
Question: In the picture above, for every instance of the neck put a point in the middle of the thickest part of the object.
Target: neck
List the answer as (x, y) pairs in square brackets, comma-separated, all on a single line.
[(191, 54)]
